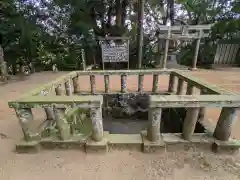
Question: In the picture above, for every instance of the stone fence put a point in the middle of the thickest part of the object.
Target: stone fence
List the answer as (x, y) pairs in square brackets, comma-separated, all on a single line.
[(63, 96)]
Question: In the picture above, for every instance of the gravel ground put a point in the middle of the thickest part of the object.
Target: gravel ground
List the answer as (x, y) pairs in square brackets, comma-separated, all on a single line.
[(172, 165)]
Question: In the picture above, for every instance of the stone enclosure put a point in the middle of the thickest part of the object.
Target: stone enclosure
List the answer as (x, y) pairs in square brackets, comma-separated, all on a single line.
[(84, 120)]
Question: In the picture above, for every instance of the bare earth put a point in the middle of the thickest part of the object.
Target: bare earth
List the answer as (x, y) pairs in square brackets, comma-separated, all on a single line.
[(124, 165)]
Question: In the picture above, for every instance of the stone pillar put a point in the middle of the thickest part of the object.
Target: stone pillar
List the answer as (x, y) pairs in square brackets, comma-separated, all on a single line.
[(225, 122), (97, 124), (106, 83), (180, 87), (25, 117), (68, 87), (76, 84), (155, 83), (124, 83), (93, 84), (140, 83), (195, 57), (164, 62), (154, 119), (190, 89), (172, 83), (189, 123), (62, 124), (202, 112), (58, 90)]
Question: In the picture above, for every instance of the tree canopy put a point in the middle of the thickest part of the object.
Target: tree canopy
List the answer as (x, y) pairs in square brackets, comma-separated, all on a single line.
[(55, 31)]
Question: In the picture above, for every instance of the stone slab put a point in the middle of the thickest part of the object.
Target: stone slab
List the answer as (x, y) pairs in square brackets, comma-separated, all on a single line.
[(75, 142), (226, 147), (27, 146), (123, 141), (152, 147)]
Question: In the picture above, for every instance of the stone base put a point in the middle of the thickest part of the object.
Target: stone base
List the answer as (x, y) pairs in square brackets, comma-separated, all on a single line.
[(125, 141), (28, 147), (75, 142), (175, 141), (101, 146), (226, 147), (152, 147)]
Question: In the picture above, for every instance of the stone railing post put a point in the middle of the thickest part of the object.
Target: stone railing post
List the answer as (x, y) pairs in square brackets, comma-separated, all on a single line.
[(58, 90), (224, 125), (76, 84), (202, 112), (106, 83), (190, 89), (49, 113), (190, 123), (155, 83), (172, 83), (140, 83), (62, 124), (180, 87), (25, 117), (93, 84), (154, 118), (124, 83), (97, 124), (68, 87)]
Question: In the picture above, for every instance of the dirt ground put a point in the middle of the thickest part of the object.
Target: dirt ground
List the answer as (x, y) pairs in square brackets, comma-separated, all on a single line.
[(75, 165)]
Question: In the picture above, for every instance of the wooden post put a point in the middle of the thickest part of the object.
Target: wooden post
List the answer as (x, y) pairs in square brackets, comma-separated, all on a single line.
[(154, 118), (189, 123), (180, 86), (225, 122), (166, 48), (58, 90), (97, 124), (68, 88), (140, 83), (140, 32), (172, 83), (155, 83), (124, 83), (25, 117), (62, 124), (190, 89), (195, 57), (93, 84), (106, 83), (76, 84)]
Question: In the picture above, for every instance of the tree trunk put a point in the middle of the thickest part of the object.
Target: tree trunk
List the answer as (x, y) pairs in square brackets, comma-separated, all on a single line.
[(3, 65)]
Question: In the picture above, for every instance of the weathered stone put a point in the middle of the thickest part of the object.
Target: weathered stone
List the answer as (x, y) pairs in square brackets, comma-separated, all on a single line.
[(180, 87), (172, 83), (106, 83), (49, 113), (224, 125), (153, 132), (123, 83), (62, 124), (140, 82), (190, 89), (76, 84), (68, 87), (25, 117), (97, 125), (155, 83), (58, 90), (190, 123), (93, 84)]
